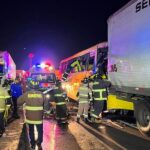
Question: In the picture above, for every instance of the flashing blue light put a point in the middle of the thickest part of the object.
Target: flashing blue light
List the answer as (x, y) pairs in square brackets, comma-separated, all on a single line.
[(38, 66)]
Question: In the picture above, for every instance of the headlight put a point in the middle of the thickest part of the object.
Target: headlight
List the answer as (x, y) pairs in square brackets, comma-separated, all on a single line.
[(63, 86), (47, 96)]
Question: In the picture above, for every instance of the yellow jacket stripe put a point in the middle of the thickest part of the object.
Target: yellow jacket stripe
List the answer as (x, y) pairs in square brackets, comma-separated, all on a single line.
[(31, 108), (60, 103), (34, 122), (101, 90), (58, 95), (98, 99), (95, 83), (3, 97), (101, 97), (34, 95), (2, 109)]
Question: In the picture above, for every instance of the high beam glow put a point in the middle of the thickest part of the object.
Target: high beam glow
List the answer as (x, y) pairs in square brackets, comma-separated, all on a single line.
[(50, 68), (42, 65)]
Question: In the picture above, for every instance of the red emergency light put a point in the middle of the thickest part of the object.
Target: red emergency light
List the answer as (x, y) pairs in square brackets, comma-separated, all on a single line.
[(44, 66)]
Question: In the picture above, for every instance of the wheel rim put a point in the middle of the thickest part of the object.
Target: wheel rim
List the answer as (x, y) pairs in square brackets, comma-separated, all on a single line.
[(144, 119)]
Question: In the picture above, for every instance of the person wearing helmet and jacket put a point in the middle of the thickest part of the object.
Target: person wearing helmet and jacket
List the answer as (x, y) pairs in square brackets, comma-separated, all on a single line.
[(3, 96), (34, 101), (84, 95), (59, 97), (99, 90)]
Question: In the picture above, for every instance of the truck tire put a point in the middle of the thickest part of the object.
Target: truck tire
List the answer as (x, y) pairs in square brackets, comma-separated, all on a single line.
[(143, 118)]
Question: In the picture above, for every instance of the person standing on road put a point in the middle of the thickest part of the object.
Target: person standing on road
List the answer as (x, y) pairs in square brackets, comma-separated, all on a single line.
[(60, 98), (3, 96), (99, 95), (34, 102), (16, 91), (84, 95)]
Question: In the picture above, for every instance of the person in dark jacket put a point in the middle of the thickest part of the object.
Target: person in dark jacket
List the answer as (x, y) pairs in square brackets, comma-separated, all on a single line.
[(34, 104), (16, 91), (59, 97), (99, 90)]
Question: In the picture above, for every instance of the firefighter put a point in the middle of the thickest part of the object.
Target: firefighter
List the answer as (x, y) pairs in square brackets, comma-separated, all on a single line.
[(16, 91), (74, 64), (3, 96), (84, 95), (99, 96), (60, 98), (34, 102)]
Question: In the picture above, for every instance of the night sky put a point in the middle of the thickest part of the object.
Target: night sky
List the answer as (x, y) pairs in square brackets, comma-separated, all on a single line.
[(53, 29)]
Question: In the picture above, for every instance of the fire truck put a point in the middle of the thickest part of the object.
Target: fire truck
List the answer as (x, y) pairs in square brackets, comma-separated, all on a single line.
[(44, 73)]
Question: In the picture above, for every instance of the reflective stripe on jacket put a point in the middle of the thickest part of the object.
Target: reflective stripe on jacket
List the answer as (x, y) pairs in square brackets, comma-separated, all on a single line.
[(34, 101), (99, 89), (58, 96), (84, 94), (3, 96)]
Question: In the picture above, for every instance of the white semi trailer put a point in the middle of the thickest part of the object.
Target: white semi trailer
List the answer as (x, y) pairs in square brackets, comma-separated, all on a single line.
[(129, 60)]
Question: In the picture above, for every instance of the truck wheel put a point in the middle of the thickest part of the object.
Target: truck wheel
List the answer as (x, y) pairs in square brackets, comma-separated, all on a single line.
[(143, 118)]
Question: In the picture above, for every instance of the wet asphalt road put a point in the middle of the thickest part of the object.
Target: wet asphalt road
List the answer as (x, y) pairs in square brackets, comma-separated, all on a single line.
[(118, 138), (100, 136), (58, 137)]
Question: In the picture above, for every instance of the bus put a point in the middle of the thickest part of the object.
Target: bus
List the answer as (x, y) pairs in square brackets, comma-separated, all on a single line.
[(89, 59)]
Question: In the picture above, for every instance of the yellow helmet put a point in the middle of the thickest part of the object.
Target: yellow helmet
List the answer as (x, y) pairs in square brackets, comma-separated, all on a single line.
[(103, 76), (33, 84)]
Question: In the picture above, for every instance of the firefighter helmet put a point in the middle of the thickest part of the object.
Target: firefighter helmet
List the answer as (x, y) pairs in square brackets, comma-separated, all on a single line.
[(85, 81)]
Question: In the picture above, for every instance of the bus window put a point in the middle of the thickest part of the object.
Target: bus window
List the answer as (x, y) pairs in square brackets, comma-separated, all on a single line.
[(63, 67), (83, 62), (91, 63), (75, 69), (102, 59)]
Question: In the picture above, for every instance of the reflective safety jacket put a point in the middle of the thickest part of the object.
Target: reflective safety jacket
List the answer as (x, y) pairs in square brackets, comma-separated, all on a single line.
[(58, 96), (84, 94), (34, 103), (3, 96), (100, 89)]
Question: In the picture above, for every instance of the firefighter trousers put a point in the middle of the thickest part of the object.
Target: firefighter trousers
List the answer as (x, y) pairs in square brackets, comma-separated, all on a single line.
[(15, 109), (83, 110), (61, 112), (97, 108), (32, 134)]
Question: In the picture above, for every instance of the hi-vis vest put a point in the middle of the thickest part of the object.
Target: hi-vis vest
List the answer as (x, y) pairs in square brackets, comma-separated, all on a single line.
[(3, 96), (99, 91), (34, 107), (84, 94)]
